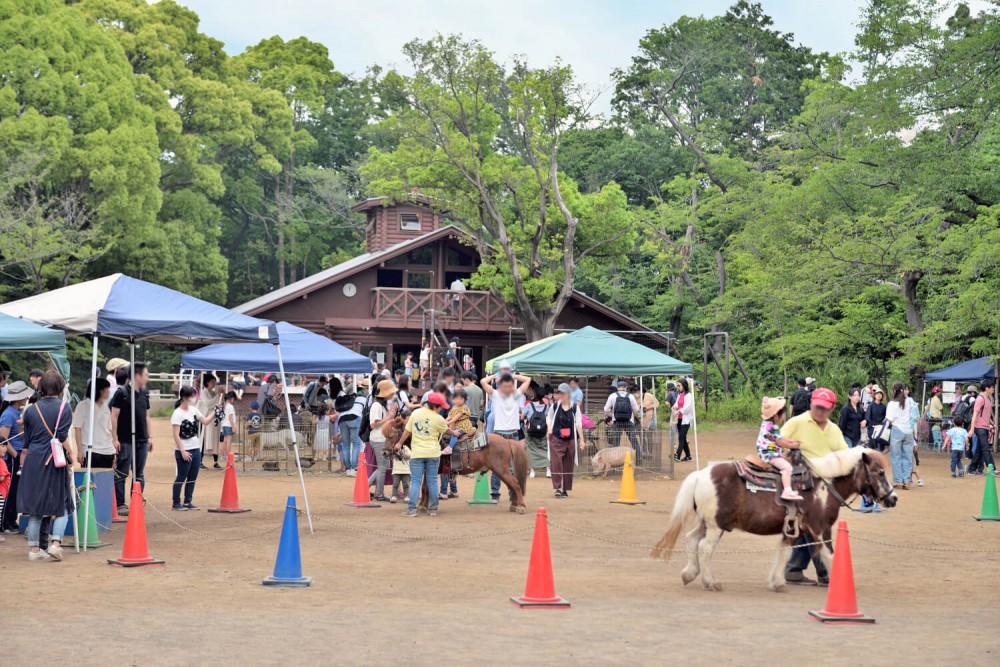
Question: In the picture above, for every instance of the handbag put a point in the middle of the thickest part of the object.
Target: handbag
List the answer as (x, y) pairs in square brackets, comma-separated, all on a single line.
[(58, 456)]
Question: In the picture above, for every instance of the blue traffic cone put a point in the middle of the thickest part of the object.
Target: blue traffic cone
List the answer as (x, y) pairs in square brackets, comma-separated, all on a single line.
[(288, 565)]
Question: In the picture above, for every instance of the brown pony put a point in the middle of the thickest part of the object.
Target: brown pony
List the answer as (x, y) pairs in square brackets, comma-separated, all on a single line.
[(498, 456), (720, 500)]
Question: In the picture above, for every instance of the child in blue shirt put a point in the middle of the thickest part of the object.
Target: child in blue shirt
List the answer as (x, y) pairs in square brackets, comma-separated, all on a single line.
[(956, 438)]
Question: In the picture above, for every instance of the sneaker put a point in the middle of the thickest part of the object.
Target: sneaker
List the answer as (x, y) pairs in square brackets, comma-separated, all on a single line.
[(953, 475), (202, 467), (789, 494), (122, 510), (191, 507), (446, 451), (217, 466), (920, 482), (548, 472), (410, 513), (179, 508), (382, 498), (38, 555), (453, 494), (799, 580), (432, 512), (531, 474), (961, 474), (55, 552), (352, 473), (393, 499)]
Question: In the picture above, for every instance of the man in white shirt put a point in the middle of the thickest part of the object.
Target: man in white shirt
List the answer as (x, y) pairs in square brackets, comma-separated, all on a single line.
[(623, 409), (505, 411)]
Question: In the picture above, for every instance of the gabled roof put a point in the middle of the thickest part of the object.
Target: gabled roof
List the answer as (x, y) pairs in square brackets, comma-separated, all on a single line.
[(409, 198), (343, 270), (370, 259)]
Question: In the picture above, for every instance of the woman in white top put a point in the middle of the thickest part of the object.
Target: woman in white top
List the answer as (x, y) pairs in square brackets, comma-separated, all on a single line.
[(683, 413), (102, 451), (381, 409), (184, 423), (899, 413)]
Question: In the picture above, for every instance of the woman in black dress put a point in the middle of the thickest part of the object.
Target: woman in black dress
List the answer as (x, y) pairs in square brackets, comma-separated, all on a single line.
[(44, 489)]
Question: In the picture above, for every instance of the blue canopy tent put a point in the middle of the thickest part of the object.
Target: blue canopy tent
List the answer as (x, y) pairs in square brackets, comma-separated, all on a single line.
[(974, 370), (302, 352), (125, 308)]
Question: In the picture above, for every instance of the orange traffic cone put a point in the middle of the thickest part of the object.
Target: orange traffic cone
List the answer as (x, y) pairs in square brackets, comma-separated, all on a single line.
[(627, 495), (361, 494), (841, 602), (230, 503), (540, 589), (135, 551)]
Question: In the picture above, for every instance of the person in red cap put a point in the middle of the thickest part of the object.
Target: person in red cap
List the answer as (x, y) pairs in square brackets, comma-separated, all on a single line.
[(817, 436), (423, 431)]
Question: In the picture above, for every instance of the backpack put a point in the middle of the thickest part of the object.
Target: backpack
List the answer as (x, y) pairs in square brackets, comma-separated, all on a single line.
[(344, 403), (366, 423), (537, 425), (963, 409), (801, 401), (623, 409), (309, 395)]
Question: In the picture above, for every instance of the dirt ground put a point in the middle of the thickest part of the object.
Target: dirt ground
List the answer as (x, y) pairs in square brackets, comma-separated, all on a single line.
[(382, 595)]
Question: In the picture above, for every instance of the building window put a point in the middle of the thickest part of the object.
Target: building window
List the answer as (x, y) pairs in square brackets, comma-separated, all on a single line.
[(389, 278), (418, 280), (457, 258), (409, 222)]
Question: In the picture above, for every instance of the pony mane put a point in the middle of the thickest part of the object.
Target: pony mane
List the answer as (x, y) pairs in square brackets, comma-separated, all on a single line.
[(839, 463)]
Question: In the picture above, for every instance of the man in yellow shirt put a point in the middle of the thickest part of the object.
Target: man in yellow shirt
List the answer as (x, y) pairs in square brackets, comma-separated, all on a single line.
[(817, 436), (423, 431)]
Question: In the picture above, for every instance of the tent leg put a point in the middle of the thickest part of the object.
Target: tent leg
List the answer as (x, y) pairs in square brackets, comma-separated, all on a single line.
[(131, 395), (90, 440), (295, 440), (923, 399), (694, 425)]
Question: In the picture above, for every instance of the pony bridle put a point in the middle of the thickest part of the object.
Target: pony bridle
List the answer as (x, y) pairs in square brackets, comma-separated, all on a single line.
[(868, 480)]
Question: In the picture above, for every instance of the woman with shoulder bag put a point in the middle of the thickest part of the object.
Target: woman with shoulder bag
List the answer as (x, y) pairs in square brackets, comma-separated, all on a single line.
[(44, 490), (565, 431)]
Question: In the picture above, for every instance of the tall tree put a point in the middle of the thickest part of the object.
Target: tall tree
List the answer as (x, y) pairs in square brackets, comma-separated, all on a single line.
[(485, 139)]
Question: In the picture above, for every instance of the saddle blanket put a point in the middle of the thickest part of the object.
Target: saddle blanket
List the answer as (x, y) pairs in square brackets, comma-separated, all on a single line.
[(760, 480)]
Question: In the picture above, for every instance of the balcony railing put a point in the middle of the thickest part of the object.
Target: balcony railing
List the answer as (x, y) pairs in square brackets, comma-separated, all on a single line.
[(471, 311)]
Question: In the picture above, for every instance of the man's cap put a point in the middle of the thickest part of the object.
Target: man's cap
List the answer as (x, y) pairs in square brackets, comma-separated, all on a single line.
[(824, 398), (435, 398)]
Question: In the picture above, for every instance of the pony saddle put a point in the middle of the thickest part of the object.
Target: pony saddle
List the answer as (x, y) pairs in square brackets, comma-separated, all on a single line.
[(764, 476), (464, 448)]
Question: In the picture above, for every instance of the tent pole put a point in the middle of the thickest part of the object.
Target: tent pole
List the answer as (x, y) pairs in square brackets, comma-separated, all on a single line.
[(295, 441), (131, 395), (90, 446), (923, 402), (694, 424)]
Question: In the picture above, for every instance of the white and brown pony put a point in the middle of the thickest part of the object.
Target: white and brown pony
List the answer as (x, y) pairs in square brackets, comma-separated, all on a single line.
[(720, 501)]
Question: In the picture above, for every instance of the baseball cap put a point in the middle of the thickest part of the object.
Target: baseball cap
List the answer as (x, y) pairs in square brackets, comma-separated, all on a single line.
[(254, 405), (622, 383), (810, 380), (504, 365), (971, 387), (824, 398), (435, 398), (36, 373), (563, 389)]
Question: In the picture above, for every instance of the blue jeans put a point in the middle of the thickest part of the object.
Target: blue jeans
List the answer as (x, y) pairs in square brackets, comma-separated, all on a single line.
[(938, 440), (956, 462), (454, 439), (494, 479), (419, 468), (444, 483), (852, 442), (350, 436), (901, 453), (187, 474), (56, 532)]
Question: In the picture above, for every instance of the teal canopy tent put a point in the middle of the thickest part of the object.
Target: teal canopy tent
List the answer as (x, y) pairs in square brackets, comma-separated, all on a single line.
[(23, 336)]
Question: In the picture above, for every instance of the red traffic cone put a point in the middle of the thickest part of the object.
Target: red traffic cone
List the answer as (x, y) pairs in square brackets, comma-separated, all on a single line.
[(230, 503), (540, 589), (135, 551), (362, 499), (841, 602)]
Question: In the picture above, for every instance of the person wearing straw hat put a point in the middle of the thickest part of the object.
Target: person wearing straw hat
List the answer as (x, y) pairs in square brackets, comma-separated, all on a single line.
[(113, 365), (770, 443), (380, 410), (12, 437)]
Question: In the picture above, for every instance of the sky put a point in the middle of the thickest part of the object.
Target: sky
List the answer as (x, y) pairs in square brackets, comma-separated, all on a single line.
[(594, 36)]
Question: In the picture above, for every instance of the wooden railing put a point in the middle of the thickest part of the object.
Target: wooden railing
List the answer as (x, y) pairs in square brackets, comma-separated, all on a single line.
[(472, 311)]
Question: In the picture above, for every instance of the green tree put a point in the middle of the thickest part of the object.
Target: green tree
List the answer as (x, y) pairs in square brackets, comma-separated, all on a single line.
[(485, 139)]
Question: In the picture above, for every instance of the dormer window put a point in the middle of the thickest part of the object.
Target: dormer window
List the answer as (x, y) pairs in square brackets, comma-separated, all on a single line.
[(409, 222)]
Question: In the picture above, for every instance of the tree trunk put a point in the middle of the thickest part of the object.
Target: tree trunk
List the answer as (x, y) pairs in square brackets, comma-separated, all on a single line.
[(910, 281)]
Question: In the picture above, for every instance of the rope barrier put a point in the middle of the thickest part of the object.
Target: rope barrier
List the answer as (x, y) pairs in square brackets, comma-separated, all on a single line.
[(422, 538), (209, 536)]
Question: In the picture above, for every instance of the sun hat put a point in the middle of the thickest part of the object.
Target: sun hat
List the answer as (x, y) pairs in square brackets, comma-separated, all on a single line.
[(971, 387), (771, 406), (435, 398), (824, 398), (18, 391), (386, 388), (505, 365), (115, 363)]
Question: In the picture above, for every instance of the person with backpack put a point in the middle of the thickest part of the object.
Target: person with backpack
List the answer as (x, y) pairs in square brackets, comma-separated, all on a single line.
[(623, 409), (802, 398), (536, 429), (962, 407), (982, 428), (351, 409), (565, 439), (314, 394)]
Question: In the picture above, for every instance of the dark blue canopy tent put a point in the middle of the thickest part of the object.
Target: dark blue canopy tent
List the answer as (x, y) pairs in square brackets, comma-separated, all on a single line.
[(974, 370), (302, 351)]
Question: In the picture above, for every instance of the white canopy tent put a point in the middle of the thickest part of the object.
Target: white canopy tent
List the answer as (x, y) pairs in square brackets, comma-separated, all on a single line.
[(125, 308)]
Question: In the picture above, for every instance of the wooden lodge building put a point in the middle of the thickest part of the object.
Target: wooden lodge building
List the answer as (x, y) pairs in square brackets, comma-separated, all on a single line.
[(380, 300)]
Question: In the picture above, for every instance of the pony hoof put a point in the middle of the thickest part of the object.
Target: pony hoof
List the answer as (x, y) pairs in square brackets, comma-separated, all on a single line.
[(687, 577), (714, 586), (513, 509), (777, 588), (520, 510)]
